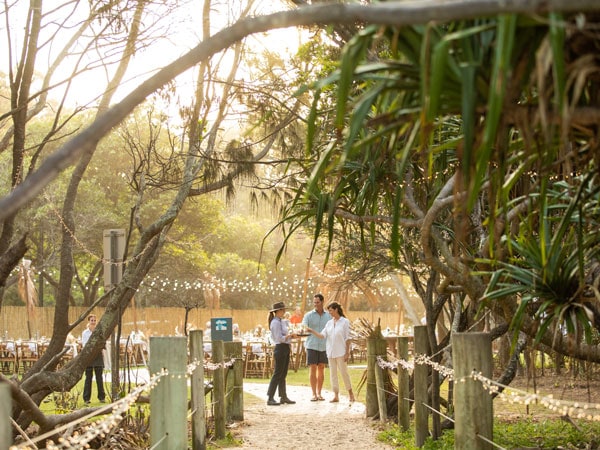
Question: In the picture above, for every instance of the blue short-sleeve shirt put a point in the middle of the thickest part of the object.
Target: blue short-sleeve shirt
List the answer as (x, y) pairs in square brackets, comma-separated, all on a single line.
[(315, 321)]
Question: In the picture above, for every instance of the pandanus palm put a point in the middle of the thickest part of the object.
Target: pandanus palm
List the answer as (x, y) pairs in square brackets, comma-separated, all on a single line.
[(451, 136)]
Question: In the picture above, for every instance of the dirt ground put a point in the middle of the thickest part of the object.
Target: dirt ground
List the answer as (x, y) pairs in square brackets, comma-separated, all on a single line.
[(560, 387), (324, 425), (311, 425)]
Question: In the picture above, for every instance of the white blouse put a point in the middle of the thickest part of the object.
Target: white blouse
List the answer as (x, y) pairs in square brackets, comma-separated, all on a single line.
[(336, 334)]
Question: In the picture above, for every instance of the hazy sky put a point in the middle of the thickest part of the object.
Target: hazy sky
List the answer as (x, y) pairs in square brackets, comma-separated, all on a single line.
[(182, 31)]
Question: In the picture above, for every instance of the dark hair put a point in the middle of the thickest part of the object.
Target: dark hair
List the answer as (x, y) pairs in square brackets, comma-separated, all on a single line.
[(338, 307), (271, 317), (319, 296)]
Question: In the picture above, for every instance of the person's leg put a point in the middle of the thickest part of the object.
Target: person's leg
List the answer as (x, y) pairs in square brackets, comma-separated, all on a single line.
[(87, 385), (311, 362), (277, 374), (346, 378), (98, 372), (333, 377), (320, 379), (282, 382), (312, 376)]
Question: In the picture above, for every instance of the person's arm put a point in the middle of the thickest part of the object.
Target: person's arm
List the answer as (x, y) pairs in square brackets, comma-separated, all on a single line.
[(277, 334), (321, 335), (85, 336), (347, 339)]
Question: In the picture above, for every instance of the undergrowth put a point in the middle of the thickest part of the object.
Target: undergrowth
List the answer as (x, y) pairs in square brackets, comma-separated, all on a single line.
[(526, 433)]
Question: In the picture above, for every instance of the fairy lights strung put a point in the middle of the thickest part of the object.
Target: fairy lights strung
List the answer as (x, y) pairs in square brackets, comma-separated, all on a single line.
[(117, 409), (98, 428), (576, 409), (285, 287), (508, 394), (279, 288), (276, 288), (323, 274)]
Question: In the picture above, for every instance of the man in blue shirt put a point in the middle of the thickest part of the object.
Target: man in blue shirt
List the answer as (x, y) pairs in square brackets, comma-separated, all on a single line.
[(316, 357)]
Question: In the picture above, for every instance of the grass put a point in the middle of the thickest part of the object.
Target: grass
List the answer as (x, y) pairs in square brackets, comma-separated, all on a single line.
[(527, 431), (524, 433), (60, 403), (530, 430), (301, 378)]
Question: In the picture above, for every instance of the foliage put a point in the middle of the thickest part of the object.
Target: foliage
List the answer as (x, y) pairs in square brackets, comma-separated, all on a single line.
[(547, 266), (522, 433), (438, 140), (65, 401), (229, 441)]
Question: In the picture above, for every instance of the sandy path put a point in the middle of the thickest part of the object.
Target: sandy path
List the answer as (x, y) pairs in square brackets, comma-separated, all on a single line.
[(310, 425)]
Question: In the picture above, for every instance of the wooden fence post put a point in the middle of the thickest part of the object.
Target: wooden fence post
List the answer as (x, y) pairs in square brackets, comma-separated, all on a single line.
[(168, 399), (197, 382), (421, 374), (376, 346), (235, 382), (403, 385), (473, 404), (5, 416), (219, 389), (381, 393)]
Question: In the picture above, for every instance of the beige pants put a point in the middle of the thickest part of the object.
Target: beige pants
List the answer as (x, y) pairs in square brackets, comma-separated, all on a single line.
[(335, 365)]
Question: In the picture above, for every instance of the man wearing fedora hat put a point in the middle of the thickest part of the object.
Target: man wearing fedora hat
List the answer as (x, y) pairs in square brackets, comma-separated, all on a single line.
[(281, 355)]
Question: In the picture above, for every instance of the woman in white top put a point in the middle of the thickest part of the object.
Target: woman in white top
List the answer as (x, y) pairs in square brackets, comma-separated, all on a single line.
[(337, 344)]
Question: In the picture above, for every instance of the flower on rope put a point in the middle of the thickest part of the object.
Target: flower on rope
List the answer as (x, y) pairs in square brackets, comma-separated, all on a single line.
[(579, 410), (447, 372), (393, 364), (222, 365)]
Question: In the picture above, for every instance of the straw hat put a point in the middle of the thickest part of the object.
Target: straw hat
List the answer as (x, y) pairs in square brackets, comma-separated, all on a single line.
[(277, 306)]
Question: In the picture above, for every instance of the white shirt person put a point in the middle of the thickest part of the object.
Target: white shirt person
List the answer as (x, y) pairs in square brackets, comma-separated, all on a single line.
[(337, 345)]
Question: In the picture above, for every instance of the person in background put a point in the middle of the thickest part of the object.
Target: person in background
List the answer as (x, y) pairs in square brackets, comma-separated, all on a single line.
[(316, 357), (296, 318), (207, 339), (237, 334), (281, 355), (207, 331), (337, 337), (259, 331), (95, 368)]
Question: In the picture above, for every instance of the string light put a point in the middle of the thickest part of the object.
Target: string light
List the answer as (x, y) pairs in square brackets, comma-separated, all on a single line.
[(117, 410), (507, 394)]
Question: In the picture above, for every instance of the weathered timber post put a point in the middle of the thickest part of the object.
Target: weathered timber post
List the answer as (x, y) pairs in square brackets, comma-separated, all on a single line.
[(421, 374), (473, 404), (235, 382), (219, 389), (168, 399), (376, 346), (403, 385), (5, 411), (381, 392), (198, 404)]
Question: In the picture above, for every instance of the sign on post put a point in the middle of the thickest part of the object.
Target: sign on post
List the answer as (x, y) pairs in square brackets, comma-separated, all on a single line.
[(221, 329), (113, 243)]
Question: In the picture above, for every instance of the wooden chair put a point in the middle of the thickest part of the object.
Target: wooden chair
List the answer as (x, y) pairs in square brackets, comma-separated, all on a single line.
[(257, 360), (27, 352), (358, 350), (126, 354), (9, 363), (42, 347), (297, 354)]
